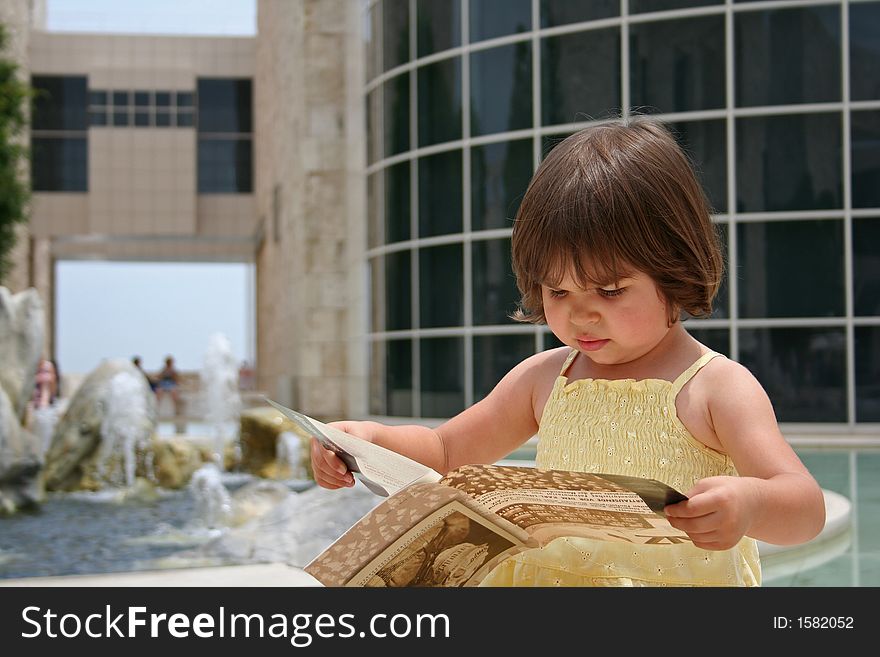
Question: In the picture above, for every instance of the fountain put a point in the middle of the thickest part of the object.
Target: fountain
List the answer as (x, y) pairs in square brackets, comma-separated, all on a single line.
[(220, 396), (122, 429), (212, 501)]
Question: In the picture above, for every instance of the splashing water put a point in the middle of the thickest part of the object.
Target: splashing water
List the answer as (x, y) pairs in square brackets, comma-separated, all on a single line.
[(122, 429), (222, 402), (212, 500), (289, 454)]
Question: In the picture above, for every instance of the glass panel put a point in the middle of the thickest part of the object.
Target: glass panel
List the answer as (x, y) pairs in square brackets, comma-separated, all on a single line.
[(98, 117), (185, 119), (495, 356), (495, 18), (677, 66), (442, 376), (396, 113), (563, 12), (500, 174), (120, 118), (866, 266), (721, 303), (225, 105), (391, 282), (98, 97), (551, 341), (440, 194), (163, 98), (864, 50), (395, 31), (495, 293), (121, 98), (789, 162), (397, 203), (441, 286), (706, 144), (163, 119), (439, 26), (375, 209), (374, 136), (865, 133), (867, 347), (59, 164), (716, 339), (787, 56), (501, 89), (142, 118), (803, 370), (59, 103), (439, 101), (777, 271), (644, 6), (580, 76), (185, 99), (224, 166), (141, 98), (391, 378)]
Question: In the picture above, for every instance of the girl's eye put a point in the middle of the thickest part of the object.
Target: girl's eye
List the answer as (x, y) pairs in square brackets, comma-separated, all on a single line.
[(611, 293), (557, 294)]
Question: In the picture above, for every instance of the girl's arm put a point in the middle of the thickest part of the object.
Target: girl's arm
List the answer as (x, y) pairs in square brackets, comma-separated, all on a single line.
[(775, 499), (485, 432)]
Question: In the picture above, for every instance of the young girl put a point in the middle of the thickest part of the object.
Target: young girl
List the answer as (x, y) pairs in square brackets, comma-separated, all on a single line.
[(612, 243)]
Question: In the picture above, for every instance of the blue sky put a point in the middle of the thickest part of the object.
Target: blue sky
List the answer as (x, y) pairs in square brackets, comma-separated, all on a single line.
[(229, 17), (118, 309)]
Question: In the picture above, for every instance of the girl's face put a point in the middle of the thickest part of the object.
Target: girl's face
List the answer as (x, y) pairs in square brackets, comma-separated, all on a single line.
[(611, 325)]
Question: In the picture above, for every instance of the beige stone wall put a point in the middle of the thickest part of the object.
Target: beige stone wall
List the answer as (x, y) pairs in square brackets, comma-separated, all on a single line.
[(309, 157)]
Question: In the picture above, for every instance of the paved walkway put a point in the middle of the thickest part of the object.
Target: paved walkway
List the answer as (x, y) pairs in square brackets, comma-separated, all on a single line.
[(270, 574)]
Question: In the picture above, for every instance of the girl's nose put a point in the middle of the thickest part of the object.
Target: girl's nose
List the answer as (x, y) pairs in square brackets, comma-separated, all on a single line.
[(584, 313)]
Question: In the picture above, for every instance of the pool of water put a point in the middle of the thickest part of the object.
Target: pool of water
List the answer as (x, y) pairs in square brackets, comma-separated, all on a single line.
[(88, 533), (854, 474)]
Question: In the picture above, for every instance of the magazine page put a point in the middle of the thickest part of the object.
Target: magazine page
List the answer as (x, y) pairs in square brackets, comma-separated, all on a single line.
[(381, 470), (426, 535), (552, 503)]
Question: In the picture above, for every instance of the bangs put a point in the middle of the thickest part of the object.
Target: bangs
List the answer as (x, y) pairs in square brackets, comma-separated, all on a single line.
[(574, 240)]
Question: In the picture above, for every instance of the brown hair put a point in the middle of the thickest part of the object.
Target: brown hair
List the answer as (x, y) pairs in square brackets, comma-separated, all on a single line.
[(609, 199)]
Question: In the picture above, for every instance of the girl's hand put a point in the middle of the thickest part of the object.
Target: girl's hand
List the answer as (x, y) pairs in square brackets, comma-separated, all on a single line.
[(329, 470), (717, 513)]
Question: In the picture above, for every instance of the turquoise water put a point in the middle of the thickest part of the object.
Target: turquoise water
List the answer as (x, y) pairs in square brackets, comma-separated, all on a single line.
[(854, 474)]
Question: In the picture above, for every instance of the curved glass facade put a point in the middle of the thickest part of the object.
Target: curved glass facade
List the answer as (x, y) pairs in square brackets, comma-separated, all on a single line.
[(777, 104)]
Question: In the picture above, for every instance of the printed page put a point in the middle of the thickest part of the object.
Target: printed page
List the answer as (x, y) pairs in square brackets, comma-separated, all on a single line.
[(426, 535), (381, 470), (551, 503)]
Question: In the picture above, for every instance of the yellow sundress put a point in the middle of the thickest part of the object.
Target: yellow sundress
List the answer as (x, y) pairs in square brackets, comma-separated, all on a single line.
[(626, 427)]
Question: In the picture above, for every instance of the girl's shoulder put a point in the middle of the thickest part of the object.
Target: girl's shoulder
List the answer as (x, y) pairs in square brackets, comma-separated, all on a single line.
[(538, 371), (725, 380)]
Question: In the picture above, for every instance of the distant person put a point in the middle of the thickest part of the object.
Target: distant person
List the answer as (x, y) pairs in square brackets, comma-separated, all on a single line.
[(246, 380), (136, 361), (46, 384), (168, 383)]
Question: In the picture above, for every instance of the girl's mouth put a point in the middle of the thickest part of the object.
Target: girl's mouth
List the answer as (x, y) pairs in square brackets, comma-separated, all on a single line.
[(592, 345)]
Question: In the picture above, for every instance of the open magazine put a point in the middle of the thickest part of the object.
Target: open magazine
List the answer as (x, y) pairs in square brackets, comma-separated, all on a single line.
[(453, 530)]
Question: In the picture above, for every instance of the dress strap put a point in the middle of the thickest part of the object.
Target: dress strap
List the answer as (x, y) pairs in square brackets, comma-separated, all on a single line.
[(568, 361), (689, 373)]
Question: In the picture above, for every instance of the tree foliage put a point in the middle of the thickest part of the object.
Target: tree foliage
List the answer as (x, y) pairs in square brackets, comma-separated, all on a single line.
[(15, 95)]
